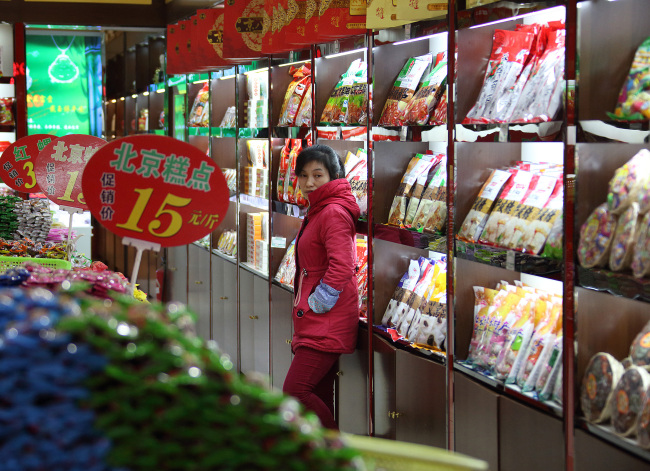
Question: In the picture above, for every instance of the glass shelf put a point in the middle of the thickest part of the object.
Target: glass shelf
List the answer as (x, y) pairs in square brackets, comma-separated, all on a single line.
[(508, 259), (247, 266), (436, 355), (225, 256), (630, 132), (606, 432), (289, 209), (411, 238), (198, 131), (255, 201), (618, 284), (550, 131)]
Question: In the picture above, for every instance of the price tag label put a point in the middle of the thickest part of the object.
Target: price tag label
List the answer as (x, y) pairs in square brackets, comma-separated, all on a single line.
[(155, 189), (510, 260), (60, 165), (279, 242), (17, 162)]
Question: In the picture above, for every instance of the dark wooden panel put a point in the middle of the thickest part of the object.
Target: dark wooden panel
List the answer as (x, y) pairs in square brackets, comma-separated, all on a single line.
[(130, 71), (593, 454), (231, 328), (217, 287), (423, 409), (198, 288), (529, 439), (610, 33), (281, 334), (261, 325), (176, 275), (476, 420), (142, 76), (130, 117), (246, 308), (222, 95), (156, 49), (385, 387), (156, 107), (352, 386)]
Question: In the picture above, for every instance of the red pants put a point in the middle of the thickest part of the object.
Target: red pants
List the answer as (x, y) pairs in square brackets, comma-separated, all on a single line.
[(311, 380)]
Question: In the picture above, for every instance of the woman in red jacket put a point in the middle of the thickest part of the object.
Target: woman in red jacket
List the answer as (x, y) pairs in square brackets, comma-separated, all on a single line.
[(326, 299)]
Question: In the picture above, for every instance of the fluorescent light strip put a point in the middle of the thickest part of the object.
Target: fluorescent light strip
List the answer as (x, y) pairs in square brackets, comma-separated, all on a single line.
[(518, 17), (113, 100), (258, 71), (419, 39), (201, 81), (345, 53), (160, 90), (226, 77), (293, 63), (122, 98), (134, 96), (146, 94)]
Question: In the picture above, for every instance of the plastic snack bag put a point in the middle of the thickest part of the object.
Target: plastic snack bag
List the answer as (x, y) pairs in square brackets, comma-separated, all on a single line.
[(418, 165), (628, 397), (513, 193), (439, 115), (258, 152), (596, 393), (402, 294), (510, 50), (643, 426), (628, 181), (641, 256), (285, 161), (596, 236), (416, 299), (229, 118), (634, 99), (432, 210), (358, 178), (200, 112), (477, 217), (620, 256), (403, 89), (516, 342), (640, 348), (418, 191), (424, 101), (358, 101), (503, 304), (297, 92), (537, 232), (6, 113), (336, 108), (483, 298)]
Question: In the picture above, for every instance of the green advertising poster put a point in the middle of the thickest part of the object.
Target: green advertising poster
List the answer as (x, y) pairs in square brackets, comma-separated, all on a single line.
[(179, 117), (64, 88)]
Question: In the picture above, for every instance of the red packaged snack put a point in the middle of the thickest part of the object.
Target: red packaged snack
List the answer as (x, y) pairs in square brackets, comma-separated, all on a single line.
[(6, 113), (439, 115), (298, 97), (426, 98)]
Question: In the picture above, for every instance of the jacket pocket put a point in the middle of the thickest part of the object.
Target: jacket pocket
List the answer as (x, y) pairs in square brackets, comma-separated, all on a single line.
[(306, 323)]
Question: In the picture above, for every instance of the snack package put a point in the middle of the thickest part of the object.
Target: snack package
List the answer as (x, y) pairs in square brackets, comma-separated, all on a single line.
[(355, 133), (418, 191), (336, 108), (512, 195), (418, 165), (643, 426), (287, 269), (424, 101), (258, 152), (553, 248), (296, 98), (641, 256), (536, 232), (629, 395), (640, 348), (541, 97), (548, 366), (439, 115), (231, 179), (634, 99), (554, 379), (620, 256), (362, 275), (403, 89), (483, 298), (417, 298), (477, 217), (358, 101), (402, 294), (143, 120), (596, 393), (327, 132), (628, 181), (510, 50), (200, 113), (596, 236), (229, 118), (528, 211), (6, 113), (432, 210), (516, 340), (358, 178), (285, 161)]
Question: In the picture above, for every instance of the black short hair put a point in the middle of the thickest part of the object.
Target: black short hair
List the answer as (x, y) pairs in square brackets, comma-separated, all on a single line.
[(324, 155)]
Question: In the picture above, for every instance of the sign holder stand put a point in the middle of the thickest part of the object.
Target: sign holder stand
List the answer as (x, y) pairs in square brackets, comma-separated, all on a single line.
[(140, 246), (71, 211)]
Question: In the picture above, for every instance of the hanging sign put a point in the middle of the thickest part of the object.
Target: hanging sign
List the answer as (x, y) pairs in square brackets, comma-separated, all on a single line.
[(17, 162), (155, 189), (59, 166), (244, 28)]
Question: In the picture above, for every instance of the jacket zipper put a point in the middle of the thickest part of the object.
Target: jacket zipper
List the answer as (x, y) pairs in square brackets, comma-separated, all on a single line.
[(296, 300), (303, 272)]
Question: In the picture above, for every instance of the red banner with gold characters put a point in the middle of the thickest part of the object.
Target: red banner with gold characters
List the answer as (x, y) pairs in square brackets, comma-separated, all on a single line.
[(244, 28)]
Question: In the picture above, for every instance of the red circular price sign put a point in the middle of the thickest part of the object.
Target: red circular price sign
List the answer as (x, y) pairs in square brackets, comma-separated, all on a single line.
[(61, 163), (156, 189), (17, 162)]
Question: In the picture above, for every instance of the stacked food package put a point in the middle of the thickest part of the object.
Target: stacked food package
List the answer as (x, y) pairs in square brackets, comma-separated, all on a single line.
[(256, 173), (524, 78), (231, 179), (6, 112), (517, 337), (356, 172), (296, 108), (417, 311), (618, 392), (634, 99), (200, 112), (287, 269), (229, 119), (257, 240), (420, 202), (617, 233), (257, 108), (347, 103), (519, 208), (287, 183), (227, 243)]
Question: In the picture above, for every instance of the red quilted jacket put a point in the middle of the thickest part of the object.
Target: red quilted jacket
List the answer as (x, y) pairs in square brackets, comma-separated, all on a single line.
[(326, 250)]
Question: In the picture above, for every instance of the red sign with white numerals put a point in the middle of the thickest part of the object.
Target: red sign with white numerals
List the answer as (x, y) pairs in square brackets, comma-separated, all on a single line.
[(157, 189), (59, 167), (17, 162)]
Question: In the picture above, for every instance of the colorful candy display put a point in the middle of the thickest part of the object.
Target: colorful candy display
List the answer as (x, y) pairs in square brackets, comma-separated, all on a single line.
[(634, 99), (600, 379), (119, 385), (596, 236), (628, 397)]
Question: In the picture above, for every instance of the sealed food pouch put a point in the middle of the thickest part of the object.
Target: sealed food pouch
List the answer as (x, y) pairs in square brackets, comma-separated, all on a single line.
[(596, 236), (358, 178), (336, 108), (429, 205), (439, 115), (200, 108), (403, 89), (296, 93), (537, 232), (358, 100), (643, 425), (634, 99), (402, 293), (641, 256), (6, 113), (437, 214), (501, 307), (554, 378), (596, 393), (516, 340), (477, 217), (483, 298), (620, 256), (418, 191), (549, 365), (424, 101), (628, 181), (512, 195), (285, 160), (640, 348), (628, 397), (416, 299), (415, 167), (258, 152)]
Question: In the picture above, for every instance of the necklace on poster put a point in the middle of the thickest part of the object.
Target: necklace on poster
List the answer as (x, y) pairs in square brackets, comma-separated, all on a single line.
[(62, 69)]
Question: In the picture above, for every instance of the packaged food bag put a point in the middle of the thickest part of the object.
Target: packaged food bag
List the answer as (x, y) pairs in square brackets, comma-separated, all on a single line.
[(640, 348), (418, 165), (258, 152), (358, 101), (536, 232), (285, 161), (403, 89), (641, 256), (483, 299), (419, 189), (439, 115), (512, 195), (596, 393), (554, 378), (200, 112), (336, 108), (643, 425), (504, 303), (431, 214), (629, 395), (477, 217), (358, 178), (229, 118), (628, 181), (416, 298), (402, 294), (516, 341), (6, 112), (548, 365), (362, 276), (424, 101), (510, 50), (286, 270), (296, 97), (620, 256), (596, 236), (634, 99)]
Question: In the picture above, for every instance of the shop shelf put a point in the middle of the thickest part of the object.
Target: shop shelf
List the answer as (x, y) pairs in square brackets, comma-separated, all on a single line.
[(412, 238), (223, 132), (630, 132), (227, 257), (435, 355), (255, 271), (618, 284), (606, 433), (551, 131), (289, 209)]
